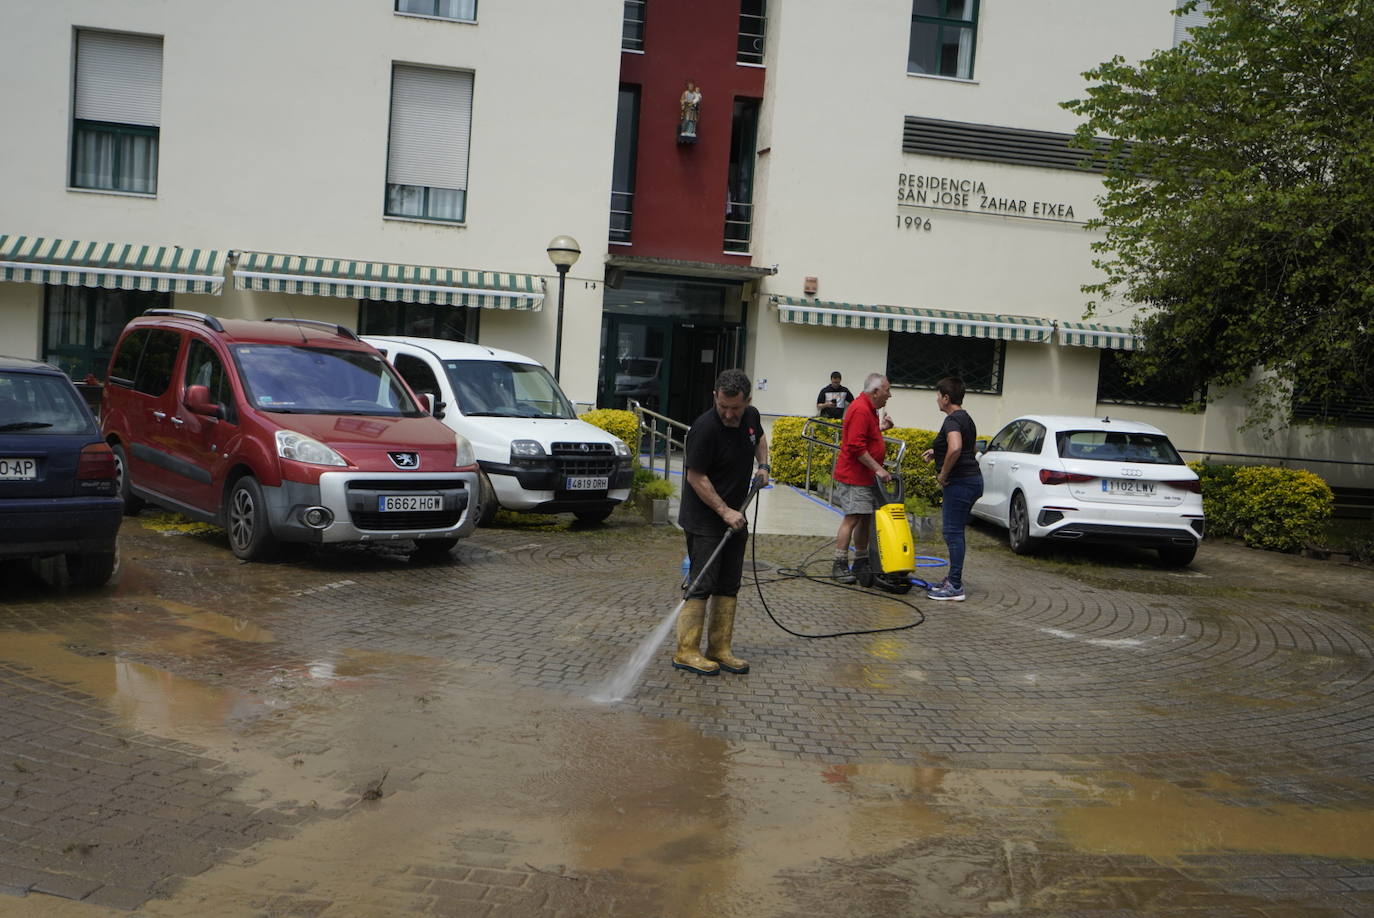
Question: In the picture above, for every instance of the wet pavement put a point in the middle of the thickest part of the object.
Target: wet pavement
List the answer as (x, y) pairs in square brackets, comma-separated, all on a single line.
[(348, 733)]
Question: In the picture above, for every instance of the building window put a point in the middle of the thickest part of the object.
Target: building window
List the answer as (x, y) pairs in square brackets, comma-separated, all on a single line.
[(923, 360), (1114, 386), (739, 193), (1355, 410), (82, 324), (942, 38), (117, 111), (421, 320), (1184, 23), (464, 10), (427, 163), (632, 26), (623, 166), (753, 21)]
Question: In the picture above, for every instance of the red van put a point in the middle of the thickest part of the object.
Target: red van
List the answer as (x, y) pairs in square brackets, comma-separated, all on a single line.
[(284, 430)]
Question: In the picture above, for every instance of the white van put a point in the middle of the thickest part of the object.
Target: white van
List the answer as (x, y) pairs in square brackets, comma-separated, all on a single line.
[(534, 455)]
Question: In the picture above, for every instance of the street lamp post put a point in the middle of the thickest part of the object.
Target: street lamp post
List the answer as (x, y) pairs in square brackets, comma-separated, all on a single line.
[(563, 252)]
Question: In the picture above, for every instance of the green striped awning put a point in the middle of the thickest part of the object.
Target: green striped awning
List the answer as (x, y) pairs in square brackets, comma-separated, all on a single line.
[(374, 280), (914, 320), (112, 265), (1111, 337)]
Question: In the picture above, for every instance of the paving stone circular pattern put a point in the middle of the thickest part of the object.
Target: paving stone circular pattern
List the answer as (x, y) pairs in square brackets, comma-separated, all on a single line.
[(1047, 658)]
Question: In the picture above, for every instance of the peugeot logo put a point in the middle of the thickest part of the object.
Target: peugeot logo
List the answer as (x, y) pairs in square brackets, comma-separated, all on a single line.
[(405, 460), (1132, 473)]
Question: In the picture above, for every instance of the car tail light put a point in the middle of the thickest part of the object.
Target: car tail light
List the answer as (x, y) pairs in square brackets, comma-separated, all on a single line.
[(97, 462), (1191, 484), (1054, 477)]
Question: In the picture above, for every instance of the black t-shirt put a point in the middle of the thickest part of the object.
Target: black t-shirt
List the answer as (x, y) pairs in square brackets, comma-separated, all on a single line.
[(726, 456), (833, 406), (967, 463)]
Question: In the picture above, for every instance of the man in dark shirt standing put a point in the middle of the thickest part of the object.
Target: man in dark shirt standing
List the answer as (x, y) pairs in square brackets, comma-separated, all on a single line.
[(722, 447), (833, 399)]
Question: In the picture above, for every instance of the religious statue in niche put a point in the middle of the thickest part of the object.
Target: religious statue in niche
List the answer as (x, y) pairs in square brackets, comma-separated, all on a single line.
[(690, 105)]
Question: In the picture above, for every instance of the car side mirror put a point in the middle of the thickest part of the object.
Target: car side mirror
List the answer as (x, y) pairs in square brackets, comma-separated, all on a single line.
[(198, 402), (981, 447), (431, 404)]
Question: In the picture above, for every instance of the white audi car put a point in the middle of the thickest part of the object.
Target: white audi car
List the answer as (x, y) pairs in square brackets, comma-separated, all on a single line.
[(1090, 480)]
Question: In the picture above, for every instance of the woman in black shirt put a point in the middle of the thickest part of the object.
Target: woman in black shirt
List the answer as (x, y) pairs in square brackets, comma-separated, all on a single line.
[(956, 467)]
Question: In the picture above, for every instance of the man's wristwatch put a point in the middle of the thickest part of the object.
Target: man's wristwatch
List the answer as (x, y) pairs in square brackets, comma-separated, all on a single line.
[(765, 467)]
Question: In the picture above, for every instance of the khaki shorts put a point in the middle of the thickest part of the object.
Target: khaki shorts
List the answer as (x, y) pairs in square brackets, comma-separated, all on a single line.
[(854, 499)]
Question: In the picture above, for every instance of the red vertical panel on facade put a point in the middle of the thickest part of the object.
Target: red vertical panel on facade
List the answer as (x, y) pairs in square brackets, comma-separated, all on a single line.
[(679, 203)]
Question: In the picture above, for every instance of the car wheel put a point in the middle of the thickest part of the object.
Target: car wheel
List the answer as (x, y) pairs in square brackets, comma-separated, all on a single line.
[(592, 517), (1177, 555), (1018, 527), (250, 534), (92, 570), (132, 504), (434, 549), (487, 504)]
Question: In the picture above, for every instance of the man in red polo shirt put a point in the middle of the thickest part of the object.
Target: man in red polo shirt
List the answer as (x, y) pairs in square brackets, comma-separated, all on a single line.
[(859, 460)]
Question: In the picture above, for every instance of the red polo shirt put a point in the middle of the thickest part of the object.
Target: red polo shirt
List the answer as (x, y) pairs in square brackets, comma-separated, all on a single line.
[(860, 434)]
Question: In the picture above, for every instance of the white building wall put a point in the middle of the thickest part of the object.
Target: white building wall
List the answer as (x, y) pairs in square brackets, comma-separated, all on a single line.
[(274, 138), (830, 169)]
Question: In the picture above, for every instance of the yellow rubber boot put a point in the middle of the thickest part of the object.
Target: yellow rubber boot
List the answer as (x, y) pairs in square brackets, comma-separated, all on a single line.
[(690, 621), (722, 630)]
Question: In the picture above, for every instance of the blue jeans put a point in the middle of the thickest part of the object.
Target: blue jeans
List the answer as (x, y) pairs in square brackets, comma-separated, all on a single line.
[(960, 494)]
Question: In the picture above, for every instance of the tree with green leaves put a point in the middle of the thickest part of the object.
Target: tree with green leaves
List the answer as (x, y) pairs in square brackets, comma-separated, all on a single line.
[(1238, 204)]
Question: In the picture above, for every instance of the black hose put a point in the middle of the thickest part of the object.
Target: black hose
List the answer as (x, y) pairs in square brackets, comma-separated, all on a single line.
[(799, 573)]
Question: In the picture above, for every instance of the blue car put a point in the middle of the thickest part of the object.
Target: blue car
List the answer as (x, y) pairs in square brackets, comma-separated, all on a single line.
[(58, 491)]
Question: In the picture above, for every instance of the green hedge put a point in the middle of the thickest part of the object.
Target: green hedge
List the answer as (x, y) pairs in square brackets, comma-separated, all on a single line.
[(1267, 507), (787, 454), (617, 423)]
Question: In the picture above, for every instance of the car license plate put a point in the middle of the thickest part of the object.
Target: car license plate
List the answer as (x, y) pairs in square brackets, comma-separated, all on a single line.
[(18, 469), (409, 503), (1118, 486), (588, 484)]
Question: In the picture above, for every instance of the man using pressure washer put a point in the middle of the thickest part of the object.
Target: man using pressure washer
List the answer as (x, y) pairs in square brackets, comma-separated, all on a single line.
[(860, 459), (722, 447)]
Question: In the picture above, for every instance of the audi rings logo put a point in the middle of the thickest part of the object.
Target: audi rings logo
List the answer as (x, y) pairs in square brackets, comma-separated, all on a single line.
[(1132, 473), (405, 460)]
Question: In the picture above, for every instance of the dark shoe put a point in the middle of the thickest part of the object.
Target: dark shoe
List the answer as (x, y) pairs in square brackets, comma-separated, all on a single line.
[(840, 572), (947, 592), (863, 572)]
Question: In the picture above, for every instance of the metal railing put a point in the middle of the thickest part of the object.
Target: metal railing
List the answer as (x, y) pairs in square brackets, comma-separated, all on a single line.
[(1280, 460), (826, 485), (739, 218), (622, 215), (658, 428)]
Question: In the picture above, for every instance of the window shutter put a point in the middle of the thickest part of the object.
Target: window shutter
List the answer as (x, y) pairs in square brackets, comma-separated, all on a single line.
[(1182, 24), (119, 78), (431, 118)]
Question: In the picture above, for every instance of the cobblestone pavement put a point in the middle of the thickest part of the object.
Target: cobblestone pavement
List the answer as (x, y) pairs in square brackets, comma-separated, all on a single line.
[(350, 733)]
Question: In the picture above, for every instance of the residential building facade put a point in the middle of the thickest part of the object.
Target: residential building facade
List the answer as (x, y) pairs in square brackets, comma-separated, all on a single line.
[(783, 185)]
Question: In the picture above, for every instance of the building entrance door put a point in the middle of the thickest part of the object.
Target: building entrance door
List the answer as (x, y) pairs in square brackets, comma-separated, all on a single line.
[(664, 339)]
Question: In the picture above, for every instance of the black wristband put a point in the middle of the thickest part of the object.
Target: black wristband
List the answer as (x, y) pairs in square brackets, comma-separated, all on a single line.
[(765, 467)]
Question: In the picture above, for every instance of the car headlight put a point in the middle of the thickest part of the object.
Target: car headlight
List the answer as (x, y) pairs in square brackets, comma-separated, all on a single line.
[(300, 448), (465, 456), (526, 449), (621, 449)]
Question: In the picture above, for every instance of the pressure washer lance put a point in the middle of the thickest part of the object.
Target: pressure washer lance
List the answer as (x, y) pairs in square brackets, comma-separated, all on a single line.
[(623, 681)]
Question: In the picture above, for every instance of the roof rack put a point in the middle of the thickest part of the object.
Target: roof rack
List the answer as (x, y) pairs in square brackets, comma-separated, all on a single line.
[(187, 314), (335, 328)]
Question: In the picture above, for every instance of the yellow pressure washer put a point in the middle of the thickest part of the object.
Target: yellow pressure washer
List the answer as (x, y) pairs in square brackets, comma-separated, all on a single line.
[(891, 547)]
